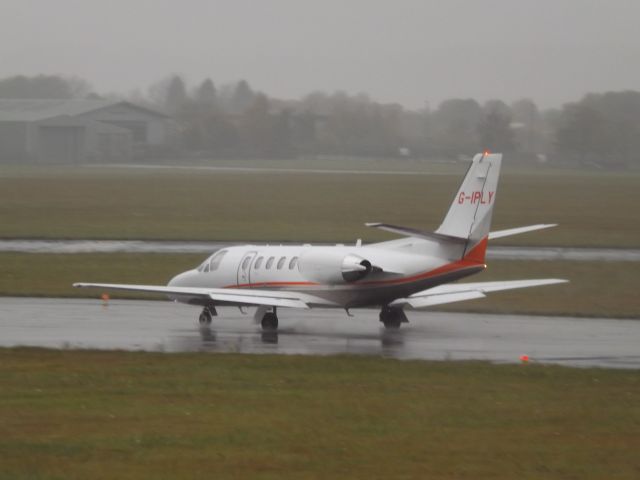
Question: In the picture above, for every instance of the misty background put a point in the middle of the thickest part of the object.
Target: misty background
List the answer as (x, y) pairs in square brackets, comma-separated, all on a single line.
[(548, 81)]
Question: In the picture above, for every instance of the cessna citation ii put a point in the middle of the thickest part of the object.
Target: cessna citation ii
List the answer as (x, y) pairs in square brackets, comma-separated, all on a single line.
[(414, 271)]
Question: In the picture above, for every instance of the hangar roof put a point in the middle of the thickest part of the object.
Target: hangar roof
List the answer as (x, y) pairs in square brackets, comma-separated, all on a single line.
[(28, 110)]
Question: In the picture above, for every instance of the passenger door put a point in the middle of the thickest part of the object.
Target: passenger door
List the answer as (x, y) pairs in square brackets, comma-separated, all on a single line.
[(244, 269)]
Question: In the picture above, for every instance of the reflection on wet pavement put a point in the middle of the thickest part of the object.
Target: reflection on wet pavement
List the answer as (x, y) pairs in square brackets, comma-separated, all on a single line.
[(169, 327)]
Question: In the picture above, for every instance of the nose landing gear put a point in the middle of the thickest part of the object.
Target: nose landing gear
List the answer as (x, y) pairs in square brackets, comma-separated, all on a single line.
[(392, 317)]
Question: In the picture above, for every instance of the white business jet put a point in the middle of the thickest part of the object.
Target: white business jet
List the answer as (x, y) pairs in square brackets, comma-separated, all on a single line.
[(415, 271)]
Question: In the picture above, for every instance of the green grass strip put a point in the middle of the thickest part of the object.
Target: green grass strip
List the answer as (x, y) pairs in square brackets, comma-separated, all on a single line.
[(80, 414), (592, 210), (603, 289)]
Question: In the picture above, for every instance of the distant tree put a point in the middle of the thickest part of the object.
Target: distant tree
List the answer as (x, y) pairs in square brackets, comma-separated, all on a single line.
[(157, 93), (44, 86), (316, 103), (79, 87), (525, 111), (205, 96), (257, 126), (455, 127), (356, 125), (528, 127), (243, 98), (176, 98), (282, 134), (615, 106), (236, 120), (221, 134), (494, 129), (621, 115), (497, 106), (582, 134)]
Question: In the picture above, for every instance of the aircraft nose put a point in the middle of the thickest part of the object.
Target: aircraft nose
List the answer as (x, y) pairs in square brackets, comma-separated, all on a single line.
[(179, 280)]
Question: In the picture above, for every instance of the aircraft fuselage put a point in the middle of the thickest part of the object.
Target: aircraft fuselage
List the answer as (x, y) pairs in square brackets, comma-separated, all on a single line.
[(397, 269)]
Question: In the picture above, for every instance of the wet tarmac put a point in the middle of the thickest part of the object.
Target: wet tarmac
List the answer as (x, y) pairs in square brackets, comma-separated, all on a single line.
[(205, 248), (169, 327)]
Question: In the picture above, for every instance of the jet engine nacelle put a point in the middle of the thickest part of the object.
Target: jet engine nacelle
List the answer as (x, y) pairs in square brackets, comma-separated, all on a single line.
[(325, 266)]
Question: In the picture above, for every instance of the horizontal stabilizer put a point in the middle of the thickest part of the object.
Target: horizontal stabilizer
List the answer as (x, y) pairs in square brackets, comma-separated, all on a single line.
[(516, 231), (412, 232), (457, 292)]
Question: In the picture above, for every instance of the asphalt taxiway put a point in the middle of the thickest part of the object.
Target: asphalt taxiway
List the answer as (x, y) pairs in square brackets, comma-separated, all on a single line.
[(170, 327)]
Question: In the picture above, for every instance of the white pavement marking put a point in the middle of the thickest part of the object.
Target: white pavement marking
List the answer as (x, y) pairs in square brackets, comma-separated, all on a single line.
[(270, 170)]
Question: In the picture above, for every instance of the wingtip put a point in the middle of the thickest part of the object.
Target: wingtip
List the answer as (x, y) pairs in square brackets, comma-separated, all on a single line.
[(554, 281)]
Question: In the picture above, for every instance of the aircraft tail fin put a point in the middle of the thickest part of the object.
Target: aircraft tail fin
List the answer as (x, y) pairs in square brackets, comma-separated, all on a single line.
[(468, 221), (469, 216)]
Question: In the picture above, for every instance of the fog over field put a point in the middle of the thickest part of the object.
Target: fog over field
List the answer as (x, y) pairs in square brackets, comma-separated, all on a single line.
[(410, 52)]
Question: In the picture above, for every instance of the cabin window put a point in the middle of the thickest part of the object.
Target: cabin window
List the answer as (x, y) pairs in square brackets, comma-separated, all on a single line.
[(216, 259), (258, 262), (270, 262), (206, 268), (281, 262), (293, 263)]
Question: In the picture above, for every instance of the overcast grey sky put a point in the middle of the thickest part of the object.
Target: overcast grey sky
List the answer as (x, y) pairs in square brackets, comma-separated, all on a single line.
[(405, 51)]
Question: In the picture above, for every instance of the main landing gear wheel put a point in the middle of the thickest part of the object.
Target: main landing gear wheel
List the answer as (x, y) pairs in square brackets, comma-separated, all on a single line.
[(269, 321), (206, 316), (392, 317)]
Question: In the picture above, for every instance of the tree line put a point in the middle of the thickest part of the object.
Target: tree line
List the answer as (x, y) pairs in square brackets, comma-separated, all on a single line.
[(601, 129)]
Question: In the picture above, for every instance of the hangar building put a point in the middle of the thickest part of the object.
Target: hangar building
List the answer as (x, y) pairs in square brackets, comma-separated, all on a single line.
[(79, 131)]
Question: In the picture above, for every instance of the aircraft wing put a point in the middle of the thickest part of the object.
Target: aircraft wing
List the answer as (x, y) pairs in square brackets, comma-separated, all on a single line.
[(458, 292), (222, 296)]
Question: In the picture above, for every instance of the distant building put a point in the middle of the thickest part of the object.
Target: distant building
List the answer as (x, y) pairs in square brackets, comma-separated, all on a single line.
[(79, 131)]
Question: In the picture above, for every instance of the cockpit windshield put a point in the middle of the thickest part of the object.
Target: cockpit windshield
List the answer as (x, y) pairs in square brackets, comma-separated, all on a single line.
[(212, 263), (216, 259)]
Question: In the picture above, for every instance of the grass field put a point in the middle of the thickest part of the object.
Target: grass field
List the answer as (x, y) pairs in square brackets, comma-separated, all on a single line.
[(594, 209), (105, 415), (607, 289)]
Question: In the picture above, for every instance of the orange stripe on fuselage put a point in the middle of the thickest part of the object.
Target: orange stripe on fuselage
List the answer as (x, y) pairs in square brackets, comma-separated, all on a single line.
[(451, 267), (475, 258)]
